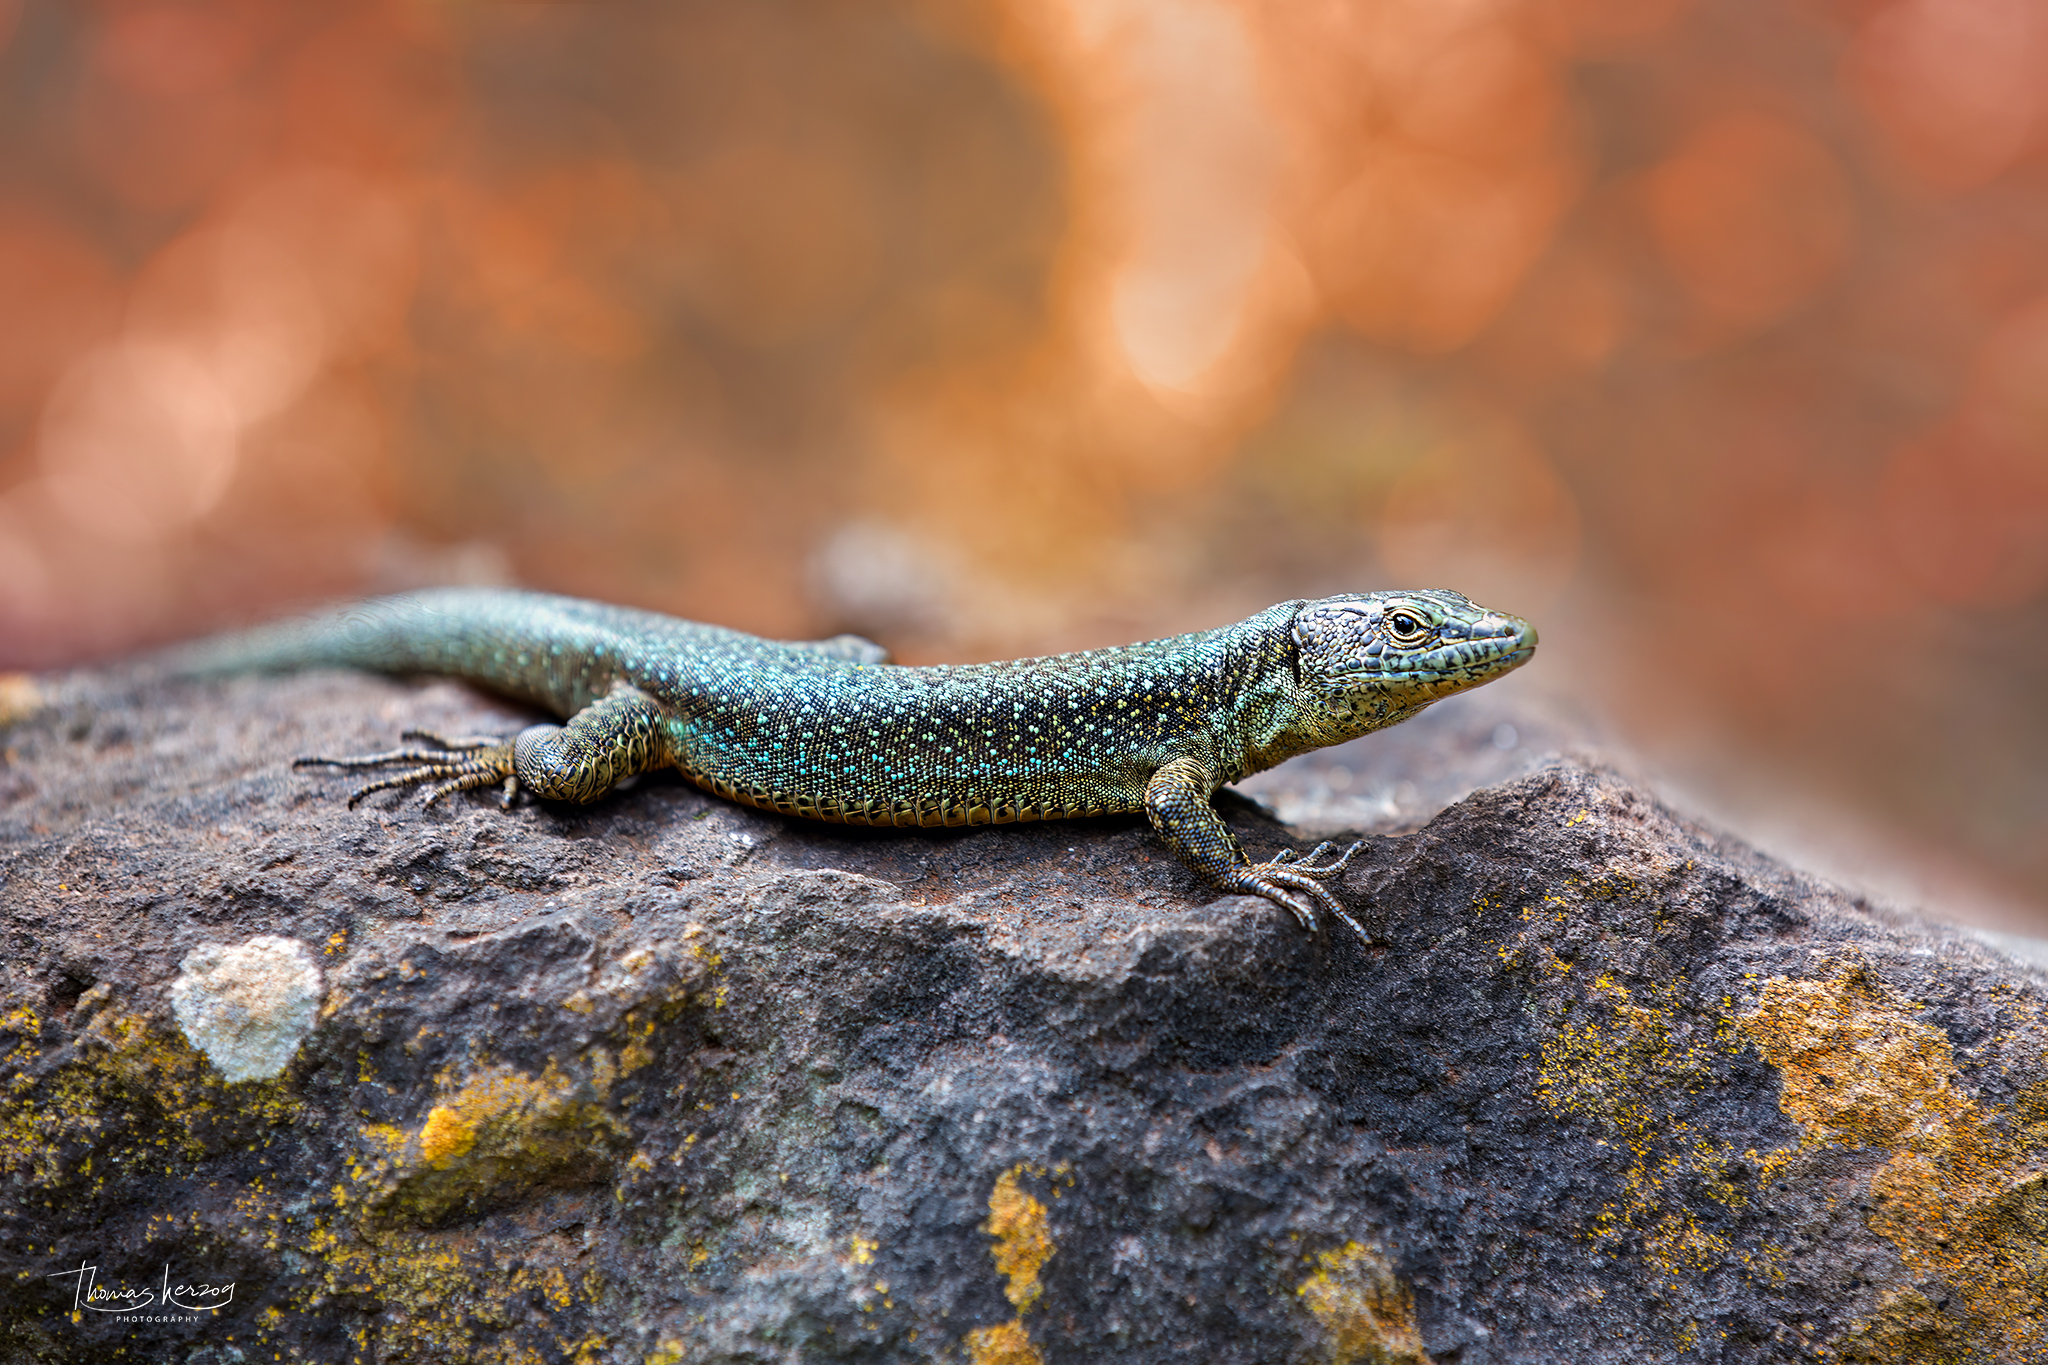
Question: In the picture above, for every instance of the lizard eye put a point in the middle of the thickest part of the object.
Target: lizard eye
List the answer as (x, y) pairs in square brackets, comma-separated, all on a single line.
[(1404, 628)]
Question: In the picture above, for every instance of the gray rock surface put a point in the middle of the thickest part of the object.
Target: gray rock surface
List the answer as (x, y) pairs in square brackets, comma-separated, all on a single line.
[(666, 1080)]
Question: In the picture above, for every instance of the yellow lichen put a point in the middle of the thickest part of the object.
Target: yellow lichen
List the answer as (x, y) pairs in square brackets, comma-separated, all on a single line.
[(1908, 1330), (445, 1136), (502, 1129), (1023, 1246), (1857, 1069), (1963, 1196), (138, 1098), (1628, 1067), (1006, 1343), (142, 1100), (1367, 1316), (697, 943), (388, 1136), (135, 1100), (1017, 1222), (454, 1302)]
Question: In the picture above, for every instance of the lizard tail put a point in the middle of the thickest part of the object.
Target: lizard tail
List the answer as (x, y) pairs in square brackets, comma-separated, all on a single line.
[(385, 635), (507, 641), (554, 651)]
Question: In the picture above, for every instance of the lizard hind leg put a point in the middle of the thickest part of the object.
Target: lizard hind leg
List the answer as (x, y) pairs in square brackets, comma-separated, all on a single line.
[(614, 737), (619, 735)]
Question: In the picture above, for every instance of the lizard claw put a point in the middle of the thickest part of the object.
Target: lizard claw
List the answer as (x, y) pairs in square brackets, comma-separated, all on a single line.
[(1304, 863), (1293, 880), (1288, 855), (452, 766)]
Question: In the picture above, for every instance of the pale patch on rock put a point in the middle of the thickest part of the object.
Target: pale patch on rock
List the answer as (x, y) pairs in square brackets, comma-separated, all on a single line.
[(249, 1007)]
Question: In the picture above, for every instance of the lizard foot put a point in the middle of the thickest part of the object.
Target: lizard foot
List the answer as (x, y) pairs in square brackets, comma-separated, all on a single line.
[(1293, 880), (452, 765)]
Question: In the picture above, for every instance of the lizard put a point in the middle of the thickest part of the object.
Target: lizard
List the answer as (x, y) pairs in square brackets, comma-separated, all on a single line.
[(830, 730)]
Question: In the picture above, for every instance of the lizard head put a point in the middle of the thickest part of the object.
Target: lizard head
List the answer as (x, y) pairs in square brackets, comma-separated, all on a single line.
[(1379, 657)]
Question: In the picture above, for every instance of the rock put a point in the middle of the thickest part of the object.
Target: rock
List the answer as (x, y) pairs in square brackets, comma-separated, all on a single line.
[(666, 1080)]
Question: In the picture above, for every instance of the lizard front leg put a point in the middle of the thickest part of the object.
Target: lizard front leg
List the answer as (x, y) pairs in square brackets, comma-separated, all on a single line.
[(1177, 803), (613, 738)]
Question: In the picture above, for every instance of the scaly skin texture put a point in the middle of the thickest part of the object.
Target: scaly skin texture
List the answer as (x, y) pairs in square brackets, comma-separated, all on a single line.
[(828, 731)]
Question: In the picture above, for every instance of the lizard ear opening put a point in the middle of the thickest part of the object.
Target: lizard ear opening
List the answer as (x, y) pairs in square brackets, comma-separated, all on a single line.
[(1325, 633), (1297, 647)]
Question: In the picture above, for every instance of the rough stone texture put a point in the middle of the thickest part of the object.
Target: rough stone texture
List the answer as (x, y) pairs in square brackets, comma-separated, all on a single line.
[(666, 1080)]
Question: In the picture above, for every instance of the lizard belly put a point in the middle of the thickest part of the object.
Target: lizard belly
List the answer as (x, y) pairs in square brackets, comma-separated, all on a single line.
[(930, 798)]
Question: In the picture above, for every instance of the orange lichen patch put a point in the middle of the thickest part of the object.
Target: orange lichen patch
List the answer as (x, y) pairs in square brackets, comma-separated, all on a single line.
[(1858, 1069), (1004, 1344), (1023, 1246), (503, 1129), (1366, 1313), (1964, 1196), (1908, 1328), (1628, 1068), (445, 1136)]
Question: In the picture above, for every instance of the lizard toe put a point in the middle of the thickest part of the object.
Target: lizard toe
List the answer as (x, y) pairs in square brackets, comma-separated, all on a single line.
[(1291, 886), (459, 745), (1304, 864)]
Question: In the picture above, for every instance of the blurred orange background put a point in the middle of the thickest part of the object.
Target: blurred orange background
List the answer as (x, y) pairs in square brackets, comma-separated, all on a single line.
[(1711, 334)]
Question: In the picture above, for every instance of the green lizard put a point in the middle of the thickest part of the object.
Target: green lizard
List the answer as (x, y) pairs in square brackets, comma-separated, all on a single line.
[(829, 731)]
